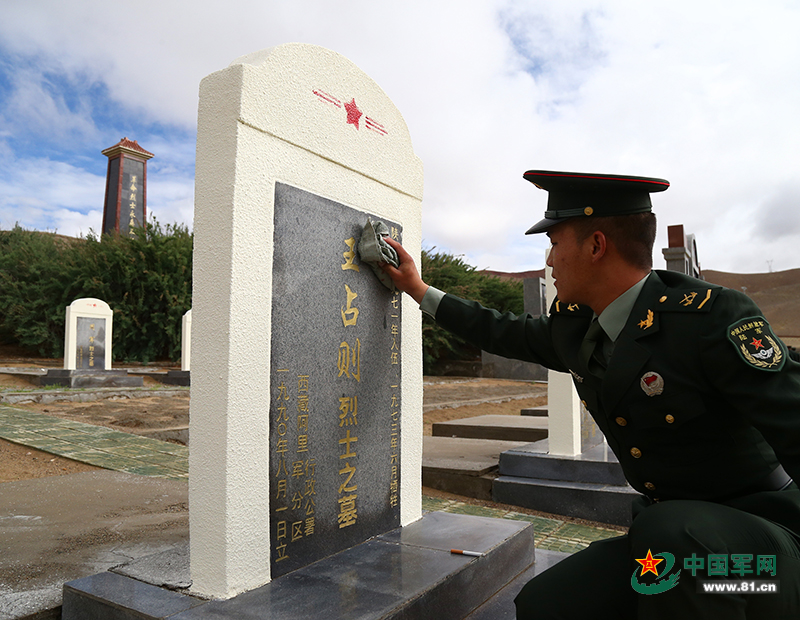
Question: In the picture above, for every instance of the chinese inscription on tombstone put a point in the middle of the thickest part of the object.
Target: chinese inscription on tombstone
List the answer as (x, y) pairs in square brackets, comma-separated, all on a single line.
[(336, 385)]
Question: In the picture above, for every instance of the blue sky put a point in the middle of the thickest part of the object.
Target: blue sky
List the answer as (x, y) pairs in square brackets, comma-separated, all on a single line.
[(702, 94)]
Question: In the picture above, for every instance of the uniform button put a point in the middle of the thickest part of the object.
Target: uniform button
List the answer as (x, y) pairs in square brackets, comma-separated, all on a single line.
[(636, 453), (621, 421), (663, 299), (670, 419), (649, 486)]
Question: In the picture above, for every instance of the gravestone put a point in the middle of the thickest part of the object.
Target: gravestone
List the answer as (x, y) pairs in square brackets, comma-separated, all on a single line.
[(125, 204), (87, 349), (496, 366), (87, 339), (186, 341), (572, 430), (681, 255), (306, 371), (573, 472), (183, 376), (306, 408), (534, 292)]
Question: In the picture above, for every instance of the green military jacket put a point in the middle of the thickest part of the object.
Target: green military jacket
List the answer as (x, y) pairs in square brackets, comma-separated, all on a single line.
[(700, 399)]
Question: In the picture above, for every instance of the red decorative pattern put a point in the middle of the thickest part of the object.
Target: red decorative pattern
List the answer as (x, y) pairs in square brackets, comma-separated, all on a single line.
[(354, 114), (329, 98), (375, 126)]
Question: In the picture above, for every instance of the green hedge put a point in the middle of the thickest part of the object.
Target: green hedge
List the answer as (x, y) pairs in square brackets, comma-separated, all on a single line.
[(451, 274), (145, 279)]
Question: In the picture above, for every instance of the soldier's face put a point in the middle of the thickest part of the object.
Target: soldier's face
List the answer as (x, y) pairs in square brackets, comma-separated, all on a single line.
[(571, 263)]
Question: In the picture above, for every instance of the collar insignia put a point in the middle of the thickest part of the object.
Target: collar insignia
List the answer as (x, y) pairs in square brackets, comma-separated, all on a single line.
[(648, 322)]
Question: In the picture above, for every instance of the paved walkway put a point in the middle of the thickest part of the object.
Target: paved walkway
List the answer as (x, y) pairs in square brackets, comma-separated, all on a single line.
[(125, 452), (95, 445)]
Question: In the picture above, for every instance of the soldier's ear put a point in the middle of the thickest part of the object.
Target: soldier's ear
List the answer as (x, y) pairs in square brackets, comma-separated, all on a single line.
[(599, 245)]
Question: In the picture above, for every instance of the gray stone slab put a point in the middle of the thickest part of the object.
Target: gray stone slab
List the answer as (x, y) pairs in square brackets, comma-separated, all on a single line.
[(496, 427), (535, 411), (91, 378), (501, 605), (403, 575), (24, 372), (597, 465), (168, 569), (108, 595), (595, 502), (473, 457), (177, 377), (499, 367)]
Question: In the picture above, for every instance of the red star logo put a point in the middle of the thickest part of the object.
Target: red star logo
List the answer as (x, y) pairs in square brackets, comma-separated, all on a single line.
[(649, 564), (757, 344), (353, 113)]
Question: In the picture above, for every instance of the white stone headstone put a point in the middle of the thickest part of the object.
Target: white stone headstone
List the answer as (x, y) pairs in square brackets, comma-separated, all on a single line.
[(571, 429), (87, 338), (306, 125), (186, 340)]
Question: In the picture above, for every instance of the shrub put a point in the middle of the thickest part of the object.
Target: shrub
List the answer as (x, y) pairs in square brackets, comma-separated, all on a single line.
[(146, 279)]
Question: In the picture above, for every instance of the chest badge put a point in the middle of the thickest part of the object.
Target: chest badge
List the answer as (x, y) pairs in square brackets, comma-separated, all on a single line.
[(652, 383)]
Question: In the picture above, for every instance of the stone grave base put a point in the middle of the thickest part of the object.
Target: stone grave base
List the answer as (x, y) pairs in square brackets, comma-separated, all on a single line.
[(176, 377), (90, 378), (406, 574), (588, 486)]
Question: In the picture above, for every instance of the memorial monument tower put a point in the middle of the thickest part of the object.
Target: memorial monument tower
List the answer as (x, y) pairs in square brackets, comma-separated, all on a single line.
[(125, 205)]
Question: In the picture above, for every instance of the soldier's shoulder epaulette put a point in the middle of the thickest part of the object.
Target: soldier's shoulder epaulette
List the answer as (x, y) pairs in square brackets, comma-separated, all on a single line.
[(562, 308), (695, 299)]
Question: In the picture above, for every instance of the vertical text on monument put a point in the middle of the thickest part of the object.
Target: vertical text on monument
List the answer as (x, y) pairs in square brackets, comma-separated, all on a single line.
[(335, 376), (125, 206), (90, 352)]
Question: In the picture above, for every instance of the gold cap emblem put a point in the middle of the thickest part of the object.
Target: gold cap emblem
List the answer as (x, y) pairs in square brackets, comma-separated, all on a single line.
[(588, 211)]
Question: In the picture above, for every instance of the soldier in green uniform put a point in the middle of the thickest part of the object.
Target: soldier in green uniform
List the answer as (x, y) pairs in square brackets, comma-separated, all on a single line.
[(697, 397)]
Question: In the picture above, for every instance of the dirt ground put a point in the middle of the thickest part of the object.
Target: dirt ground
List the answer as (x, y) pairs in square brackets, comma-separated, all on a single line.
[(442, 397)]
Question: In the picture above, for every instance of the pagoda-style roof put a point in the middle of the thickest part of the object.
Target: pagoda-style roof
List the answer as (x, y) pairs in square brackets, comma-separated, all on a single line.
[(129, 147)]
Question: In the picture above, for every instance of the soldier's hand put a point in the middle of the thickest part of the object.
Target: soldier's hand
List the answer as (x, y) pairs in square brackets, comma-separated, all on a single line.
[(405, 277)]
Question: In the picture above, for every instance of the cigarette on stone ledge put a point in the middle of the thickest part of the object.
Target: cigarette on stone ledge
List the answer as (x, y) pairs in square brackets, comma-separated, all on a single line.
[(474, 554)]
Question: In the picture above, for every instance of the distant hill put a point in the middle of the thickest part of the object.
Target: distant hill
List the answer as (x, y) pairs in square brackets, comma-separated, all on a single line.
[(517, 275), (776, 293)]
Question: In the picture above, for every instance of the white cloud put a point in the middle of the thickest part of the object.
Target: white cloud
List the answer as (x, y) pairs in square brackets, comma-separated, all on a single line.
[(702, 94), (50, 195)]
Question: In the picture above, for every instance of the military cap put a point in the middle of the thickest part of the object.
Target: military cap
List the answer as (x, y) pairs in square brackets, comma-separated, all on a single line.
[(580, 194)]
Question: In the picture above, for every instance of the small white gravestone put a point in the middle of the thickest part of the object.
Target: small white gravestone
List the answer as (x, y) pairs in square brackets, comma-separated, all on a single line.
[(571, 429), (186, 341), (87, 341), (292, 456)]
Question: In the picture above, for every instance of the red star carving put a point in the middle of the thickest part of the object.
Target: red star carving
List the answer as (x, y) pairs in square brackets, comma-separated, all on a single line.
[(649, 564), (757, 344), (353, 113)]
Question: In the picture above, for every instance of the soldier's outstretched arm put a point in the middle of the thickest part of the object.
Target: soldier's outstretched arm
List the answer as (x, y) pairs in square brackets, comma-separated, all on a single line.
[(406, 277)]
